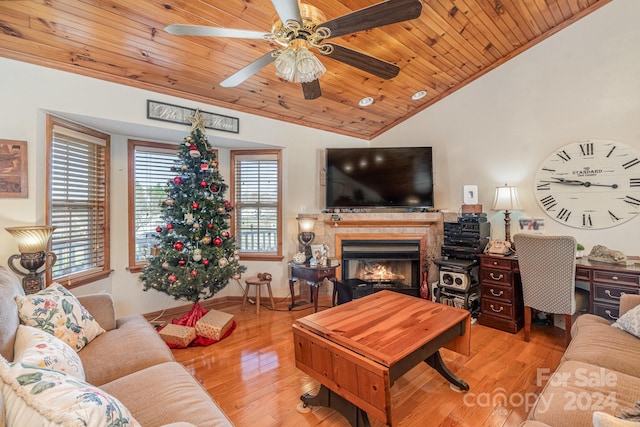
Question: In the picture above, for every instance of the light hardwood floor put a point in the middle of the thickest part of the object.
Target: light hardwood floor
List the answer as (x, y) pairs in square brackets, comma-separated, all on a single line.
[(252, 375)]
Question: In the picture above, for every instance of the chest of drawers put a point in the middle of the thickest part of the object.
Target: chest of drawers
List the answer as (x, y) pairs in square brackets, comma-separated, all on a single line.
[(607, 283), (500, 293)]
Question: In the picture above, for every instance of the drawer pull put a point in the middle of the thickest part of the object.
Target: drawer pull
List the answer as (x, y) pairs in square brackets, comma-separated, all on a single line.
[(614, 277), (496, 311), (608, 292), (608, 313), (496, 278), (495, 262), (499, 294)]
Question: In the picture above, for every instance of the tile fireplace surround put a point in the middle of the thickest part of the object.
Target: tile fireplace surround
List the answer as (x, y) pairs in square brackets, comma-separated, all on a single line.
[(425, 227)]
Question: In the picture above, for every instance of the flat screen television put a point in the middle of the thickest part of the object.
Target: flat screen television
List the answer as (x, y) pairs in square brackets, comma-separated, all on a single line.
[(379, 177)]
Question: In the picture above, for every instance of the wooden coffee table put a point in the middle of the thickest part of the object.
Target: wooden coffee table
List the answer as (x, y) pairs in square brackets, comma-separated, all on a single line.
[(358, 349)]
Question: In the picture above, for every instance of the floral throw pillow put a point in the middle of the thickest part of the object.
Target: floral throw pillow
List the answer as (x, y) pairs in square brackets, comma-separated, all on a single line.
[(630, 321), (51, 398), (57, 311), (38, 348)]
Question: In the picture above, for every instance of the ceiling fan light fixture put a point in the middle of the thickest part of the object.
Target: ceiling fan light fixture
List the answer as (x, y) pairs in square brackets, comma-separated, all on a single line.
[(286, 64), (308, 66)]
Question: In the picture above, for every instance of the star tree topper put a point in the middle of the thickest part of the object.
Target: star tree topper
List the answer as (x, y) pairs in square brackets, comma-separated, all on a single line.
[(197, 121)]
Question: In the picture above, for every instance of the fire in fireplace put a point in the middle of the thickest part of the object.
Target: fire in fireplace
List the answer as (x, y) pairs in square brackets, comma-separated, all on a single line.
[(386, 264)]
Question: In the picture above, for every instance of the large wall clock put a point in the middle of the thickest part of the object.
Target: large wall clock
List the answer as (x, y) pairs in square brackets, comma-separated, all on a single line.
[(591, 184)]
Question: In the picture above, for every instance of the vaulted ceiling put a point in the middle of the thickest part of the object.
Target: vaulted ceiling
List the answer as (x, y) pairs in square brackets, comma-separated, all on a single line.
[(452, 43)]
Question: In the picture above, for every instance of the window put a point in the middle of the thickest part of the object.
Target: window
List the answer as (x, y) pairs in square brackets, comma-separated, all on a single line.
[(78, 201), (150, 167), (256, 195)]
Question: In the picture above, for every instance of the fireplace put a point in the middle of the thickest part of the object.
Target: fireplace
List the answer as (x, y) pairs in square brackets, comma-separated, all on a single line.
[(385, 264)]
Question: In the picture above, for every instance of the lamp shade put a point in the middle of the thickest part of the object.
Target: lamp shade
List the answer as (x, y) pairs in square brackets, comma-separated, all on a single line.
[(31, 239), (506, 199), (306, 222)]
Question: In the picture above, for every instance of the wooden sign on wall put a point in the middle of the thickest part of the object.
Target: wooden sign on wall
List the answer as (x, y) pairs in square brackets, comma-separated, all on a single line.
[(176, 114)]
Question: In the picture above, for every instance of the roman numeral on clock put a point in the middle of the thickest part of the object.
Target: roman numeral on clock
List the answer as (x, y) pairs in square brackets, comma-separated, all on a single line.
[(564, 214), (564, 155), (611, 151), (632, 201), (586, 220), (586, 149), (631, 163), (547, 186), (634, 182), (548, 202), (613, 217)]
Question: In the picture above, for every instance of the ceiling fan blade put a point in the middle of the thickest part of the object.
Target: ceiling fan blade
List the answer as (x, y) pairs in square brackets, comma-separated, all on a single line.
[(199, 30), (311, 90), (287, 10), (248, 71), (377, 15), (375, 66)]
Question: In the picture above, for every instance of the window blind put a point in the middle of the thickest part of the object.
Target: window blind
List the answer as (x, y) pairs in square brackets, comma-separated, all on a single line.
[(256, 202), (77, 201), (152, 170)]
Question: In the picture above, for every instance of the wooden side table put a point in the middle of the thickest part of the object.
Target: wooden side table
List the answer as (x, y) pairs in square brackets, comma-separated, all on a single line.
[(314, 277), (501, 293)]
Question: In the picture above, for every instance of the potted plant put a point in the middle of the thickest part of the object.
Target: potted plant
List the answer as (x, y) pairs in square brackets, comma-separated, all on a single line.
[(579, 250)]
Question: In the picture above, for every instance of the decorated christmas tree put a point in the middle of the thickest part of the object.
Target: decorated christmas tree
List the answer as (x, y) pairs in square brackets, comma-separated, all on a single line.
[(195, 255)]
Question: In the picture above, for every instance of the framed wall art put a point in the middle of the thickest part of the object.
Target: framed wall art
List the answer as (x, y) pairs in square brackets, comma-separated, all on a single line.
[(13, 169)]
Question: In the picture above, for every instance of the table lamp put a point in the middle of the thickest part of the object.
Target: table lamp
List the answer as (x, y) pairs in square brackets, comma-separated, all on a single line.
[(506, 199), (32, 244), (306, 234)]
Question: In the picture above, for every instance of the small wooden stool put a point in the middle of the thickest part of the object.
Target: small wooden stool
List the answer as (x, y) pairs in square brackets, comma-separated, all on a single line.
[(261, 279)]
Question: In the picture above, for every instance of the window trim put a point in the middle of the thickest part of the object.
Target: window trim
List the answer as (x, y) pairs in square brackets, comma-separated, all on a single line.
[(136, 267), (78, 279), (257, 256)]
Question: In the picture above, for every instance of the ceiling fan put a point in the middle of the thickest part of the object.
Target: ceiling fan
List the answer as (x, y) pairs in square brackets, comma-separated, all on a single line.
[(302, 27)]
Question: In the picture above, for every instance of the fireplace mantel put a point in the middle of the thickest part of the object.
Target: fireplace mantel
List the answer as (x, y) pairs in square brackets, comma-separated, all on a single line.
[(362, 223)]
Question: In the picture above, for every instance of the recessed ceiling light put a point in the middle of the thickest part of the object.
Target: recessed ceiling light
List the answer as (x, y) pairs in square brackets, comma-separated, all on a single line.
[(365, 102), (419, 95)]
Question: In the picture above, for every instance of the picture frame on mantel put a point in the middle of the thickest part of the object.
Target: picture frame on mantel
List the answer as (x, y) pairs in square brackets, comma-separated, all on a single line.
[(13, 169)]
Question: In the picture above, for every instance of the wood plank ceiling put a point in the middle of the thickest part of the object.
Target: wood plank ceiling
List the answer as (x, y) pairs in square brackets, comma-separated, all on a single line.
[(451, 44)]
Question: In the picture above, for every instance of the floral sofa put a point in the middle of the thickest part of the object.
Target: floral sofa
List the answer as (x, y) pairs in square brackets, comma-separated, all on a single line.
[(598, 380), (67, 361)]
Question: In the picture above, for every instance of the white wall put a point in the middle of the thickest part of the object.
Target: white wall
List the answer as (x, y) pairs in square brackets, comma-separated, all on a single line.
[(582, 83)]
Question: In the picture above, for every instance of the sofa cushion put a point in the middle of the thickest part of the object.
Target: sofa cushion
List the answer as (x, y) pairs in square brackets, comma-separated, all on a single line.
[(630, 322), (132, 346), (9, 288), (577, 389), (176, 396), (50, 398), (58, 311), (615, 349), (38, 348), (602, 419)]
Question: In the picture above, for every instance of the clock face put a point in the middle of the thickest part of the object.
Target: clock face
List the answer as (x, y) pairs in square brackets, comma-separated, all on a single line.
[(591, 184)]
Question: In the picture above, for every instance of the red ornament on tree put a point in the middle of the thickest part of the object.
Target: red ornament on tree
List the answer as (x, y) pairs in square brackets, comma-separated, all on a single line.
[(194, 273), (210, 226), (169, 226), (205, 262), (217, 241), (177, 180), (158, 229), (178, 246), (195, 205), (203, 183), (213, 188), (172, 277), (182, 262)]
